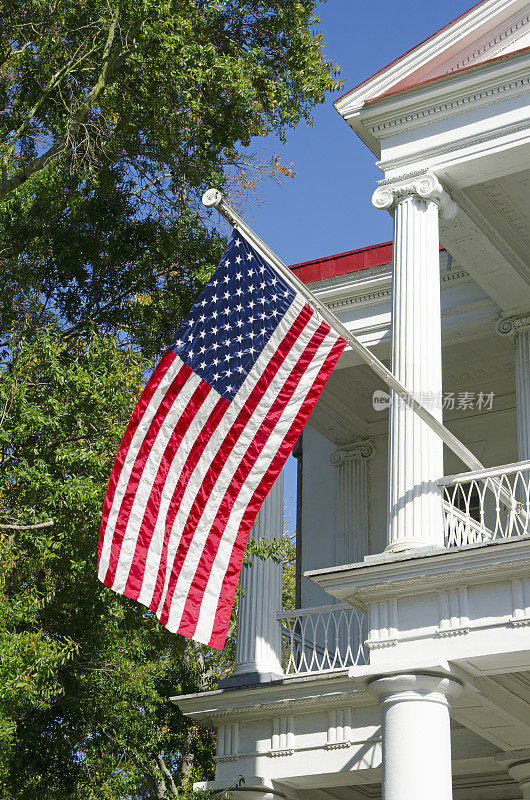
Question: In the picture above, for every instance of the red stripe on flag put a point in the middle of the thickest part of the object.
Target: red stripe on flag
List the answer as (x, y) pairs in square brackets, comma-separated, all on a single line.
[(136, 473), (145, 398), (217, 462), (147, 526), (254, 450), (228, 589)]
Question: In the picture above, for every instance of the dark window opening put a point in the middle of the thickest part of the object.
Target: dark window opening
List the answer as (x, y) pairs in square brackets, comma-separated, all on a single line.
[(467, 500)]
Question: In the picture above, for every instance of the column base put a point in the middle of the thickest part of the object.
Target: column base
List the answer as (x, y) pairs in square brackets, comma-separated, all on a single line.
[(249, 679), (413, 544)]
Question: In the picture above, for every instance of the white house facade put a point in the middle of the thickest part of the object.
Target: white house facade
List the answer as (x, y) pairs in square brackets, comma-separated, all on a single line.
[(404, 672)]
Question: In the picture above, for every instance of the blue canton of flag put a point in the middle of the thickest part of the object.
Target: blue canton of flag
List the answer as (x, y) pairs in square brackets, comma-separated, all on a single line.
[(233, 319)]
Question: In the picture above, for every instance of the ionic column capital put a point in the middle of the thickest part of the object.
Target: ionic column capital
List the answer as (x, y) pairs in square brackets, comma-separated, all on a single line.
[(512, 326), (363, 449), (425, 187), (517, 763)]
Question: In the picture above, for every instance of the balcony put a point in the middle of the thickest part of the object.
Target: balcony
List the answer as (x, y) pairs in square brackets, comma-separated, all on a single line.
[(479, 507), (489, 504)]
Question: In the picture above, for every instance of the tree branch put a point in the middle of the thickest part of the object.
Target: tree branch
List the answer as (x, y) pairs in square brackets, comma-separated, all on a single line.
[(167, 774), (53, 83), (47, 524), (76, 118)]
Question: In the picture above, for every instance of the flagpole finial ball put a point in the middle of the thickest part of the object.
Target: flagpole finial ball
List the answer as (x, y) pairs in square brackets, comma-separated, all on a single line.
[(211, 198)]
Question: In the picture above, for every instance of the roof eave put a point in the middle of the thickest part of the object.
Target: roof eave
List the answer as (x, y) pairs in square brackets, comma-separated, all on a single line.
[(381, 83), (425, 42), (358, 117)]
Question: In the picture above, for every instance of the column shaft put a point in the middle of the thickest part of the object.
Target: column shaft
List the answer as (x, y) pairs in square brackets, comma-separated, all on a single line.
[(353, 512), (352, 462), (522, 391), (415, 451), (416, 736), (258, 643)]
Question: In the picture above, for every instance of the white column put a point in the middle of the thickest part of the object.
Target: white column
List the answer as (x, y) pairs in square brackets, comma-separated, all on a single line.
[(416, 735), (415, 451), (519, 329), (352, 462), (258, 642), (522, 389)]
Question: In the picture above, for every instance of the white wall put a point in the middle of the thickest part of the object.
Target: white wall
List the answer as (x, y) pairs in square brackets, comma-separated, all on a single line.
[(492, 437), (319, 516)]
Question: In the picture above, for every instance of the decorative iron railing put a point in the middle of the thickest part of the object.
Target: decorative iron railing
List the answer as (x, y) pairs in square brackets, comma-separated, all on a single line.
[(487, 504), (323, 638)]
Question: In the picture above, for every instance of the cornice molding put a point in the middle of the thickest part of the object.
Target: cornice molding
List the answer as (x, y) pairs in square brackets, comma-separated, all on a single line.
[(345, 295), (398, 587), (518, 25), (385, 126), (368, 299), (416, 573), (282, 707), (449, 147), (333, 690), (488, 373)]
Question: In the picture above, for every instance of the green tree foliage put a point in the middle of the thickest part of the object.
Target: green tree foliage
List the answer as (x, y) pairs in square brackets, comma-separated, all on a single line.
[(115, 115), (115, 118), (85, 674)]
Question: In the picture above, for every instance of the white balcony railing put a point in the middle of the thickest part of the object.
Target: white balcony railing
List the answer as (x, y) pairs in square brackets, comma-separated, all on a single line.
[(487, 504), (323, 638)]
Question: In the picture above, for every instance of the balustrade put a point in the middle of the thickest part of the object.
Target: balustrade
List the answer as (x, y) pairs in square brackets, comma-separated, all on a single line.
[(323, 638)]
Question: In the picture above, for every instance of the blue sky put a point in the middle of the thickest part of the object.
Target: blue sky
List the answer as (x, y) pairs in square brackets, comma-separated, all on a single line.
[(326, 208)]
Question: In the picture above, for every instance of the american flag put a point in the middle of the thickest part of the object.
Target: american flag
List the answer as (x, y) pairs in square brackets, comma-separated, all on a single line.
[(210, 434)]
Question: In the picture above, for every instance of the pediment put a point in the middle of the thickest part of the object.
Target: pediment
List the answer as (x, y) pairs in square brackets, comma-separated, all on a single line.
[(489, 30)]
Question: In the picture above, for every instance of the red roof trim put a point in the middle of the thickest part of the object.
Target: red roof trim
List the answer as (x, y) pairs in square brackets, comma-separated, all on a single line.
[(376, 255), (343, 263), (447, 75), (406, 53)]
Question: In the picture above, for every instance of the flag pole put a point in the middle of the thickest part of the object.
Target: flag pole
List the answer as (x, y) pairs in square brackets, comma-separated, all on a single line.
[(213, 198)]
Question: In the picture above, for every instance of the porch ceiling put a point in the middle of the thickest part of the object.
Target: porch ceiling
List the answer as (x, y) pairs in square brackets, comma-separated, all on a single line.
[(345, 410), (490, 236), (483, 784)]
